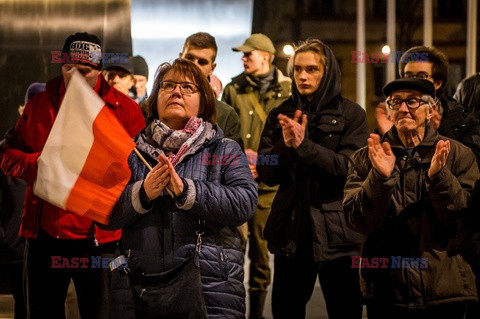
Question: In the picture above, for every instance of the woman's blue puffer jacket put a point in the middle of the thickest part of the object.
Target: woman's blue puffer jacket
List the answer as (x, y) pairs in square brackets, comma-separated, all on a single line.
[(225, 197)]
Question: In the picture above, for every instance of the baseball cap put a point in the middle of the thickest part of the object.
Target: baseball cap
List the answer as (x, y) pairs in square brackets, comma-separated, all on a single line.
[(84, 48), (257, 41)]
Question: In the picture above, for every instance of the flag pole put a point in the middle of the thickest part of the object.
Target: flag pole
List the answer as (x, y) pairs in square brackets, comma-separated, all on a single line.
[(149, 167)]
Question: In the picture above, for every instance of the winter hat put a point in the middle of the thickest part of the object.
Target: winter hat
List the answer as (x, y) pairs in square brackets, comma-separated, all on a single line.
[(84, 48), (140, 66)]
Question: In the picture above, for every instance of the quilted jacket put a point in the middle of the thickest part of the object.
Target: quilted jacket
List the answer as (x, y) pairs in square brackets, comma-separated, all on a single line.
[(160, 237)]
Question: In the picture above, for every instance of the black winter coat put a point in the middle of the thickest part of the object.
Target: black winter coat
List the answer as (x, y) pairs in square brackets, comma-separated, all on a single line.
[(409, 215), (461, 123), (306, 216)]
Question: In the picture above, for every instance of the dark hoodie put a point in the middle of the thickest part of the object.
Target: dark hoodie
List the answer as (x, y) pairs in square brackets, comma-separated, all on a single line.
[(307, 210)]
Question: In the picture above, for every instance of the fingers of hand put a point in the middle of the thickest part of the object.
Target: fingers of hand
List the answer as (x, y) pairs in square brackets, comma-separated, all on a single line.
[(447, 144), (297, 115), (304, 120), (387, 148)]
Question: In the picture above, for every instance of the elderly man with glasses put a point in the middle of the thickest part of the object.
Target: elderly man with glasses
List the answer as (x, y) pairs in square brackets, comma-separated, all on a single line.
[(449, 117), (405, 192)]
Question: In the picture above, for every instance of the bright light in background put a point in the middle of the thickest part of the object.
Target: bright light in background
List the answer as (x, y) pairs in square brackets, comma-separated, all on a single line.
[(160, 27), (386, 49), (288, 49)]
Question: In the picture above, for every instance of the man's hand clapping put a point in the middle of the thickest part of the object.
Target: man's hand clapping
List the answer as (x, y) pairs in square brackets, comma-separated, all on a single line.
[(381, 155), (439, 158)]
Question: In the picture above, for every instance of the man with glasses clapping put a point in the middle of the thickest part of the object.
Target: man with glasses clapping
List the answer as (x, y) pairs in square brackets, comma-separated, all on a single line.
[(405, 192)]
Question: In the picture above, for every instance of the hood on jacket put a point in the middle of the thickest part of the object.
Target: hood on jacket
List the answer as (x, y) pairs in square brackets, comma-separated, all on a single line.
[(330, 85)]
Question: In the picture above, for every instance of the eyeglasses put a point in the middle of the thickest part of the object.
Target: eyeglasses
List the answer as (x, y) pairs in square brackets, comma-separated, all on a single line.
[(186, 88), (412, 103), (421, 75)]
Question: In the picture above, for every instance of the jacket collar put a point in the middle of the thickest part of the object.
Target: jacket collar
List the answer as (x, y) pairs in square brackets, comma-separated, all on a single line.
[(243, 83), (422, 152)]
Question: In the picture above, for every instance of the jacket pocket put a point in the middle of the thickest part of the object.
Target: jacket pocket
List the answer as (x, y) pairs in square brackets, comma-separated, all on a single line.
[(223, 262), (329, 131), (278, 229), (281, 223), (338, 233)]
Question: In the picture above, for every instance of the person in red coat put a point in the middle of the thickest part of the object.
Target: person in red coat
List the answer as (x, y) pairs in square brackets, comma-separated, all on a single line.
[(57, 239)]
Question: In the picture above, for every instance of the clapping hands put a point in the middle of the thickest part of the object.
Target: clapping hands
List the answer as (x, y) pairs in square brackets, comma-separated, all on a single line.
[(383, 159), (381, 155), (293, 131), (439, 159)]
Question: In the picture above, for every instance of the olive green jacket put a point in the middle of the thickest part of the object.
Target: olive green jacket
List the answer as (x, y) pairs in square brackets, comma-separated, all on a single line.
[(238, 94)]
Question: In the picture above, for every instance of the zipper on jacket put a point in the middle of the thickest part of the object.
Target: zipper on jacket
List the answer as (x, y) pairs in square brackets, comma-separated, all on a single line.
[(411, 302), (404, 172)]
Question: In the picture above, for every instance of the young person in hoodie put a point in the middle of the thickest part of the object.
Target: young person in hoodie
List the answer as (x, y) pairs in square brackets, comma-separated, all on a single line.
[(313, 133)]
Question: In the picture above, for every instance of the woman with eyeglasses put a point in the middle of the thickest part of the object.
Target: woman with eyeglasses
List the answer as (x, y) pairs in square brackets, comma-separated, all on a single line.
[(199, 184), (406, 193)]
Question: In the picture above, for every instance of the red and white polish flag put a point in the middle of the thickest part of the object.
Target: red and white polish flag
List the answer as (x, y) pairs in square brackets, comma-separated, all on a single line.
[(83, 167)]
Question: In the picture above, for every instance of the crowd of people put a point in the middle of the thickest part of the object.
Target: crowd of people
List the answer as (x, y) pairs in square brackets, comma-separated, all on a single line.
[(387, 219)]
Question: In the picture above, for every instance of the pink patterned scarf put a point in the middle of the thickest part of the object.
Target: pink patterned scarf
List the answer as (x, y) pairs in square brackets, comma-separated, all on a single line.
[(174, 143)]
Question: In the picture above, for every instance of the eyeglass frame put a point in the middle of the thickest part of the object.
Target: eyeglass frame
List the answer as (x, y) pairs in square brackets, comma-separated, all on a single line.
[(423, 76), (179, 84), (421, 101)]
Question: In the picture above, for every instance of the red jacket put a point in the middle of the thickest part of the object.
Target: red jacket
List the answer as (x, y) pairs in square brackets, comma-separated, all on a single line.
[(23, 147)]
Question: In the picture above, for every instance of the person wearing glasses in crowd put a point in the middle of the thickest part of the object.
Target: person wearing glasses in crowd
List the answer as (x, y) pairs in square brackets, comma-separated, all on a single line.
[(181, 135), (454, 120), (404, 191), (449, 117)]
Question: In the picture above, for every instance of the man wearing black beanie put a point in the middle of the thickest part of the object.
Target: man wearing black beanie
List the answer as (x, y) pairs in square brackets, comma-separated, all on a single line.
[(60, 243), (140, 75)]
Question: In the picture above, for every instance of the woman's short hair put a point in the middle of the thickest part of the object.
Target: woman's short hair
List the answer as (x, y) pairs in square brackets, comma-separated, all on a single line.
[(312, 45), (192, 71)]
